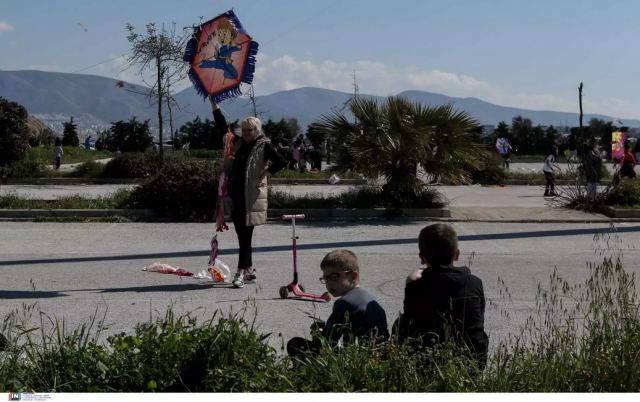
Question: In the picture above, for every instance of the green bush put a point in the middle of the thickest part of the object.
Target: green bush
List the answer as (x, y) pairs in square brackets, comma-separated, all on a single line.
[(26, 168), (133, 165), (626, 193), (360, 197), (183, 189), (490, 172), (87, 169)]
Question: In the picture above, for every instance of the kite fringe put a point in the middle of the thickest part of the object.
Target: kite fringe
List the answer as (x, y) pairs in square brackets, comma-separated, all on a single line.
[(227, 94), (234, 19), (247, 76), (192, 46), (197, 84)]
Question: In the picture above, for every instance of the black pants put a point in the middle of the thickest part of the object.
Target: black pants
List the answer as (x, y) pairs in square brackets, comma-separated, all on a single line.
[(550, 186), (245, 234), (299, 347)]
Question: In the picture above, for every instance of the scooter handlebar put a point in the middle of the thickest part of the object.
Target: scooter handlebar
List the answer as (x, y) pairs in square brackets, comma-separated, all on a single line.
[(297, 216)]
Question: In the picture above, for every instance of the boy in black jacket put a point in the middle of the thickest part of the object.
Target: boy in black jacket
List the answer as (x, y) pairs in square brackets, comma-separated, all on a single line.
[(443, 302)]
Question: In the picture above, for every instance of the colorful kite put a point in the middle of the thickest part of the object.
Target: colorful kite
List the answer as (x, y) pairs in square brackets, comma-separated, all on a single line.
[(222, 55)]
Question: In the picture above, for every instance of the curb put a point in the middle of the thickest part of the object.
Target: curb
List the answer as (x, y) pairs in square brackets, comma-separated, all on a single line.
[(358, 213), (70, 180), (84, 213), (337, 214), (73, 180), (541, 182), (623, 213)]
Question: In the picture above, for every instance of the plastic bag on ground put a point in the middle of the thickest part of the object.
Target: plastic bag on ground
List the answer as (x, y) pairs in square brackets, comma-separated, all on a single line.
[(161, 268), (334, 179), (220, 272)]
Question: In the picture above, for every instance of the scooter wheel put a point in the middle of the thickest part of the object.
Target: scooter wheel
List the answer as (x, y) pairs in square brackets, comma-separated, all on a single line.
[(284, 292)]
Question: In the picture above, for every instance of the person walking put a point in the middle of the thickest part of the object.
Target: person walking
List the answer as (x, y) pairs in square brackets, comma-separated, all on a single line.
[(628, 163), (592, 169), (550, 165), (254, 160), (57, 153)]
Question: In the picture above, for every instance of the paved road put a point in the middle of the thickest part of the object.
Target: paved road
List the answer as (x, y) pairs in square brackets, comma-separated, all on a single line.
[(72, 270)]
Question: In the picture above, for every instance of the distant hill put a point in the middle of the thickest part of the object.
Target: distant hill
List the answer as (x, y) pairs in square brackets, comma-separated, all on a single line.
[(96, 101)]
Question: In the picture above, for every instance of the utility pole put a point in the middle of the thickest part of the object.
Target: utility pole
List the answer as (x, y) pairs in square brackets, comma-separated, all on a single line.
[(355, 86), (581, 146), (252, 96)]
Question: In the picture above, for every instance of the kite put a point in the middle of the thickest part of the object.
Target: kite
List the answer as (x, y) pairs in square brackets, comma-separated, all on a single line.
[(222, 56)]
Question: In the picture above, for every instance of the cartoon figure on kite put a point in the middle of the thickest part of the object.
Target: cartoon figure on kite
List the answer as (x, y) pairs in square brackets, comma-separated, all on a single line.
[(224, 49)]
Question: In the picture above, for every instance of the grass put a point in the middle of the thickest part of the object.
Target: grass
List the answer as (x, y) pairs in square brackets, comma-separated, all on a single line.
[(44, 154), (323, 174), (360, 197), (582, 337), (118, 199)]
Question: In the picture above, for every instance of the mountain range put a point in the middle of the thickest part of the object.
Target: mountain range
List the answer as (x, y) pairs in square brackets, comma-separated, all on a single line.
[(96, 101)]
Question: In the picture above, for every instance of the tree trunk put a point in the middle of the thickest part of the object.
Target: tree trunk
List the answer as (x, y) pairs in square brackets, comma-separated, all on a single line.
[(160, 108)]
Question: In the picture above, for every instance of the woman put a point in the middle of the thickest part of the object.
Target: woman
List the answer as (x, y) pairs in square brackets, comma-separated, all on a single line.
[(628, 163), (254, 160)]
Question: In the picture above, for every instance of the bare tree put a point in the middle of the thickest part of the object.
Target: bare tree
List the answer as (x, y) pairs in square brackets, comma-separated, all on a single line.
[(158, 53)]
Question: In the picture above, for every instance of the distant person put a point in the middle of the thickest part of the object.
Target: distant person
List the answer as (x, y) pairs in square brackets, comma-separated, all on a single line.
[(57, 153), (443, 302), (628, 163), (356, 314), (592, 169), (550, 165), (87, 143), (504, 149), (254, 160)]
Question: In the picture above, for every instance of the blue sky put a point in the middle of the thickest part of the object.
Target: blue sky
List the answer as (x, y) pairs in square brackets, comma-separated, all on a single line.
[(510, 52)]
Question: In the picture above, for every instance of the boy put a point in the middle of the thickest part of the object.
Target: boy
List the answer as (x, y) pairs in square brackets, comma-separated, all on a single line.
[(441, 301), (356, 314)]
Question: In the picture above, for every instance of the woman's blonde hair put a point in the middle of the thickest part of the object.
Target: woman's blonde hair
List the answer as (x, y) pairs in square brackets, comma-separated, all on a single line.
[(254, 123)]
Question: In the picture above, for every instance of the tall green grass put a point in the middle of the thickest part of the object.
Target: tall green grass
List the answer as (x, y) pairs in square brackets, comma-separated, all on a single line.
[(583, 337), (44, 154)]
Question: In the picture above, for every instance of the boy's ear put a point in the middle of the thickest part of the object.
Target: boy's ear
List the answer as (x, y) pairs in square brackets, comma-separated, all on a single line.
[(423, 260), (456, 255), (355, 276)]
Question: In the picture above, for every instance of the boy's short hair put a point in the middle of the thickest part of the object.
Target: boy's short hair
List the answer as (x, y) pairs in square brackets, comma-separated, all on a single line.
[(438, 243), (342, 258)]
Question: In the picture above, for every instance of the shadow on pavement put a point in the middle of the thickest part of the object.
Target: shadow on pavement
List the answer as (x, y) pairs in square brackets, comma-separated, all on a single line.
[(29, 294), (331, 245)]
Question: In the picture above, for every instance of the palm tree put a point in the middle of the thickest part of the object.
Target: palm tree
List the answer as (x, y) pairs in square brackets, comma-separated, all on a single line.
[(391, 139)]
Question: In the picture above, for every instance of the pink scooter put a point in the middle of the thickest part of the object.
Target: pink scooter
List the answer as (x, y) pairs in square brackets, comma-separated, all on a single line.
[(294, 287)]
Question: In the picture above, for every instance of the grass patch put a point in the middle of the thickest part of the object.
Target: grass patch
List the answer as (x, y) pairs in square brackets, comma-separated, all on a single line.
[(118, 199), (44, 154), (323, 174), (360, 197)]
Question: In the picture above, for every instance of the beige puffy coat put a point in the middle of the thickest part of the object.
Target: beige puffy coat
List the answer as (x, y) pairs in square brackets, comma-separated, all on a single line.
[(255, 188)]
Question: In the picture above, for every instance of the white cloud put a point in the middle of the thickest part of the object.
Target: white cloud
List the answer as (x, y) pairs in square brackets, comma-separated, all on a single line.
[(5, 26), (377, 78)]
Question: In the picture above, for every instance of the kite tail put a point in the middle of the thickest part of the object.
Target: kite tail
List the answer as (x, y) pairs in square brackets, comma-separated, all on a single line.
[(247, 76)]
